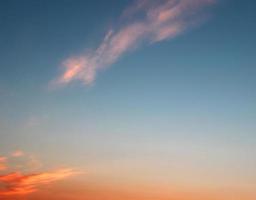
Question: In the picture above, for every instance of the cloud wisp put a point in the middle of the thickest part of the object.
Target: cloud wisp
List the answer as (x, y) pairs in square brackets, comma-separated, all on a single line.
[(143, 23), (18, 183), (18, 153)]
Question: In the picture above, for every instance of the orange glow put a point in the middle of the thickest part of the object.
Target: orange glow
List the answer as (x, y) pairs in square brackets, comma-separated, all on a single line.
[(3, 163), (83, 191)]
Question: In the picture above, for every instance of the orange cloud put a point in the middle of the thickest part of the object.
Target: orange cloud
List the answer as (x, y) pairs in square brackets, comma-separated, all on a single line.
[(19, 184), (147, 21)]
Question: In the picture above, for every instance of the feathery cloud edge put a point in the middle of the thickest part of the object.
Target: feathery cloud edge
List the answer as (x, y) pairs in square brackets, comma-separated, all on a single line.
[(146, 22)]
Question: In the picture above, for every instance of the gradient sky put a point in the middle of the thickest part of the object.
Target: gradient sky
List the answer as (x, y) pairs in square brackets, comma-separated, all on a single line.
[(169, 115)]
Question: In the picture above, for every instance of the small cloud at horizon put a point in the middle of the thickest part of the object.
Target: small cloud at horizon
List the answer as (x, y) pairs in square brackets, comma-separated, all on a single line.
[(15, 182), (3, 161)]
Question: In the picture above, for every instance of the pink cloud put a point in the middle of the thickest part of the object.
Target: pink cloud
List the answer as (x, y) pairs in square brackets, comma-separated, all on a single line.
[(18, 153), (146, 22)]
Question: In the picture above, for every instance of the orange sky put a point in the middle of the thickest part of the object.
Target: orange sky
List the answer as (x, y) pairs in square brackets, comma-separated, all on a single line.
[(19, 181), (74, 190)]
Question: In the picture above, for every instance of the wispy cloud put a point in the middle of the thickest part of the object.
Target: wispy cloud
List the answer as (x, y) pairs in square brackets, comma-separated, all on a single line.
[(144, 22), (20, 183), (18, 153)]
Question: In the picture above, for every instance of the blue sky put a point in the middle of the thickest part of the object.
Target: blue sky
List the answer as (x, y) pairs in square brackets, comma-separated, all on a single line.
[(186, 97)]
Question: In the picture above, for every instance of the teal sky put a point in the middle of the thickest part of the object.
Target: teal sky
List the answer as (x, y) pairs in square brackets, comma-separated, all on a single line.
[(187, 100)]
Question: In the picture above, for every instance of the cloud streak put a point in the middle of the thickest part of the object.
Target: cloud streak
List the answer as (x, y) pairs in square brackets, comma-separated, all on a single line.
[(143, 23), (18, 153), (20, 183)]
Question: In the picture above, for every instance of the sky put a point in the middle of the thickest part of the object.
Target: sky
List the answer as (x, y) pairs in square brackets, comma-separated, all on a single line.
[(127, 100)]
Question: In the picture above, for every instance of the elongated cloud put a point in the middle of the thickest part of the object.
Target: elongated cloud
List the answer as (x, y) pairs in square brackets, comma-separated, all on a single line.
[(20, 183), (144, 22), (18, 153)]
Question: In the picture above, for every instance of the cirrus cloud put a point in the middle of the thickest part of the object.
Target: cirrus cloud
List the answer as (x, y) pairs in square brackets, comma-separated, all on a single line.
[(144, 22)]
